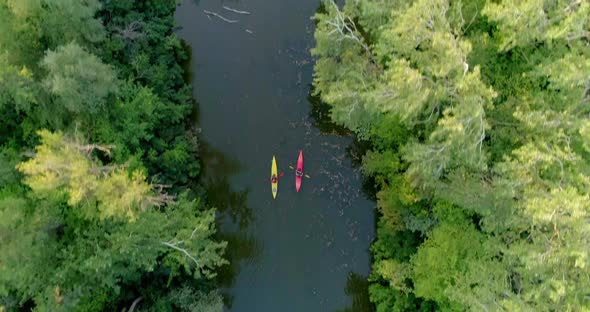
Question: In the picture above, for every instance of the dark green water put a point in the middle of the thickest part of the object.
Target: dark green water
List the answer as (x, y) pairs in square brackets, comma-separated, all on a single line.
[(303, 251)]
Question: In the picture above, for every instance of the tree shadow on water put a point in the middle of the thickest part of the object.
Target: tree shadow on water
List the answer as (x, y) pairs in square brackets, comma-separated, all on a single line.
[(240, 247), (215, 179), (357, 287), (218, 168), (320, 113), (355, 151)]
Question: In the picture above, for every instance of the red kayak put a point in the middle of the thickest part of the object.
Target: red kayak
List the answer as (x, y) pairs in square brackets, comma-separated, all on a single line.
[(299, 171)]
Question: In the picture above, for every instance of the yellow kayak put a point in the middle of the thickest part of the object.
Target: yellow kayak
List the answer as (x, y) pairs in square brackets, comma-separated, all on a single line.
[(274, 183)]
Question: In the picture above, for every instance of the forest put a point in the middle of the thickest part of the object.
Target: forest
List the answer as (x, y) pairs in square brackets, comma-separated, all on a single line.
[(99, 209), (477, 113)]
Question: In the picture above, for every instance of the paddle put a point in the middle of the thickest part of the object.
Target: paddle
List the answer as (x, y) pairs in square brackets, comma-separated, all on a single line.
[(305, 175)]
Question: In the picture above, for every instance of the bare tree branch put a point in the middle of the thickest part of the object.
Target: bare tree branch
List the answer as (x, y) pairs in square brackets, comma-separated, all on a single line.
[(135, 302), (103, 169), (29, 154), (572, 37), (193, 233), (181, 250), (132, 31), (161, 187), (91, 147), (345, 26), (161, 199)]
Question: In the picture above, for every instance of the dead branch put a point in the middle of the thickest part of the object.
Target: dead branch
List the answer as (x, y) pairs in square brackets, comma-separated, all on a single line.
[(181, 250), (220, 17), (193, 232), (135, 302), (29, 154), (103, 169), (573, 37), (161, 187), (57, 293), (91, 147), (236, 11), (132, 31), (345, 26), (160, 199)]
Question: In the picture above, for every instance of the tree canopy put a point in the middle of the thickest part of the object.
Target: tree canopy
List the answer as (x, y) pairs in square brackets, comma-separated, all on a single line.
[(477, 114), (99, 208)]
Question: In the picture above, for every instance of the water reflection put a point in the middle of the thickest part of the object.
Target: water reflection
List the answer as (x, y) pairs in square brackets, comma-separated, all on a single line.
[(320, 113), (186, 64), (357, 288), (218, 168), (240, 247)]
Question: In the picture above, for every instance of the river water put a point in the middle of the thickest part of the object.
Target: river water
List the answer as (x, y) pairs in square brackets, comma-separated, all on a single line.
[(306, 251)]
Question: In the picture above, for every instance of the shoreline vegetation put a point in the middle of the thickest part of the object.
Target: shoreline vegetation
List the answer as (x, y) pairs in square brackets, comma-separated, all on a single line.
[(477, 114), (99, 162)]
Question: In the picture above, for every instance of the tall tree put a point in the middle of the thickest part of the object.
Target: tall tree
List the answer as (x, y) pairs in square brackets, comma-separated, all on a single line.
[(88, 229), (78, 83), (95, 235), (32, 26), (477, 112)]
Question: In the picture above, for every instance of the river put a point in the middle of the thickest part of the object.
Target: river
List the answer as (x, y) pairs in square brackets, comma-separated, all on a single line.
[(306, 251)]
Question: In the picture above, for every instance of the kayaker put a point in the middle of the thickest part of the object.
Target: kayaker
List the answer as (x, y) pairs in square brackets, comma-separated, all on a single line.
[(299, 173), (274, 179)]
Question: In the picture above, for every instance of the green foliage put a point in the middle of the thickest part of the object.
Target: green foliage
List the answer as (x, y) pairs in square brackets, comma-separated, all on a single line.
[(29, 27), (456, 265), (8, 175), (458, 137), (189, 300), (60, 165), (346, 58), (81, 229), (133, 116), (525, 22), (17, 87), (67, 20), (477, 115), (78, 83), (147, 55), (80, 255)]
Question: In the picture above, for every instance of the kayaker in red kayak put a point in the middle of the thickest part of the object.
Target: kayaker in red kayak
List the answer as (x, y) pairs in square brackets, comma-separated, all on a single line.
[(299, 171)]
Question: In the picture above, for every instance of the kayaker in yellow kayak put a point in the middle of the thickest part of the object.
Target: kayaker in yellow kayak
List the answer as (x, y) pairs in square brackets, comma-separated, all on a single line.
[(274, 178)]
